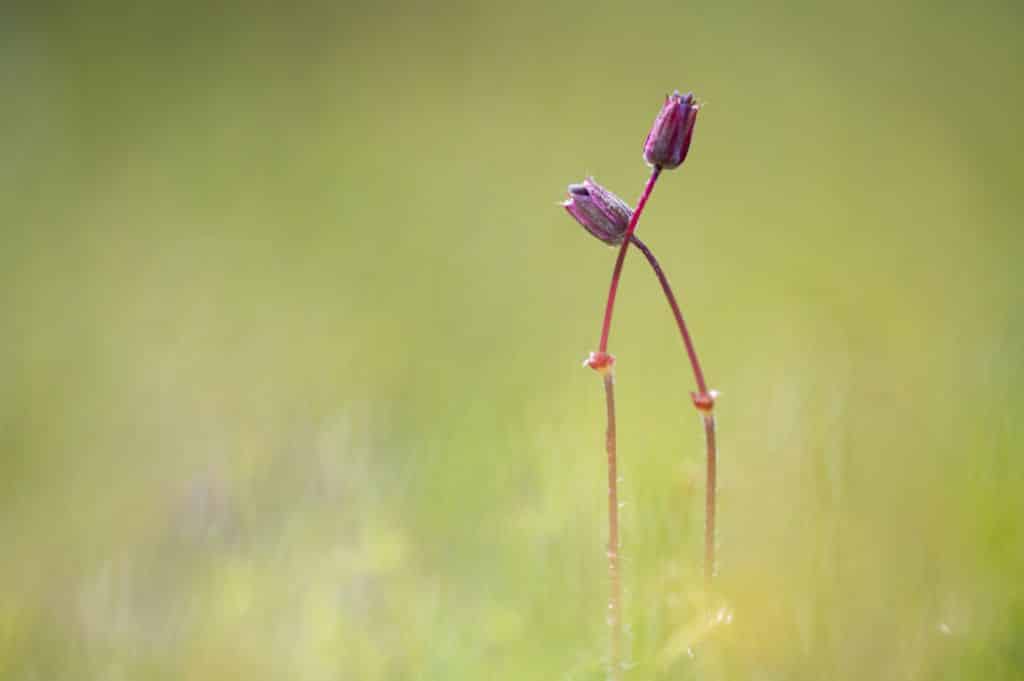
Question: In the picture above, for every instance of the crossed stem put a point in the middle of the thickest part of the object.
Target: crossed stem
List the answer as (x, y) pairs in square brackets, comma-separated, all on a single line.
[(703, 400), (604, 364)]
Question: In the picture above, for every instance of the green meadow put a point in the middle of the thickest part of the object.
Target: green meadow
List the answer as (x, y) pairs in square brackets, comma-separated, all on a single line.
[(292, 325)]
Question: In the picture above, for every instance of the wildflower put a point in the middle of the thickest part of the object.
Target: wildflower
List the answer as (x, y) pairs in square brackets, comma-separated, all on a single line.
[(669, 138), (601, 212)]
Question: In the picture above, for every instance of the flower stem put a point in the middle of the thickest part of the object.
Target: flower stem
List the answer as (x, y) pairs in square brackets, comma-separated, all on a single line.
[(698, 374), (606, 369), (709, 500), (617, 272), (704, 401), (614, 578)]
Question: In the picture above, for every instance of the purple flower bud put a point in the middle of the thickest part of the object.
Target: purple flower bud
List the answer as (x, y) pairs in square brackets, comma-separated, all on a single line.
[(669, 138), (601, 213)]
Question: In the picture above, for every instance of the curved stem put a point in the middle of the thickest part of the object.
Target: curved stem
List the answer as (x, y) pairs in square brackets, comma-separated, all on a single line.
[(614, 578), (617, 272), (698, 374), (711, 489)]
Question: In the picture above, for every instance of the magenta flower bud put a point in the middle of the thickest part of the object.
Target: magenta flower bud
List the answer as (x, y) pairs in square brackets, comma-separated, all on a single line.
[(669, 138), (601, 213)]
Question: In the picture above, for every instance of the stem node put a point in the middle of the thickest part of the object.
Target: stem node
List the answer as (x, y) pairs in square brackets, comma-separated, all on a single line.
[(601, 362), (704, 401)]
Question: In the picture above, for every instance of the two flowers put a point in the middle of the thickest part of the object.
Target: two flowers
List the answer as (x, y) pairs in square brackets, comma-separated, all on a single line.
[(611, 220), (604, 214)]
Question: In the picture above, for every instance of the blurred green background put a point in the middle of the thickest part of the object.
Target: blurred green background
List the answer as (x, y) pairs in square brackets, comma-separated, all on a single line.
[(292, 326)]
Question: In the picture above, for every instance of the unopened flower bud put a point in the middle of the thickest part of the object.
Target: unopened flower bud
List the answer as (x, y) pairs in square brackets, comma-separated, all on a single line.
[(601, 213), (669, 138)]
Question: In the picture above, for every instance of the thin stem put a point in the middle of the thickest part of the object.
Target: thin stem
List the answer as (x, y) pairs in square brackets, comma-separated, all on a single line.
[(614, 578), (711, 489), (709, 500), (617, 272), (698, 374)]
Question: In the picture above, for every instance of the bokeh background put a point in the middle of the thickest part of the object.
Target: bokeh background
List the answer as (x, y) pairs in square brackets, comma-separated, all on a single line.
[(292, 324)]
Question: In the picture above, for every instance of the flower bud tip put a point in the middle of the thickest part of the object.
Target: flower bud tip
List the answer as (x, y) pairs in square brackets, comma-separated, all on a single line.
[(668, 141)]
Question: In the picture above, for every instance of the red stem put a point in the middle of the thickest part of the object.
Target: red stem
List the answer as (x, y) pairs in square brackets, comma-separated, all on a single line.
[(710, 493), (614, 578), (698, 374), (617, 272)]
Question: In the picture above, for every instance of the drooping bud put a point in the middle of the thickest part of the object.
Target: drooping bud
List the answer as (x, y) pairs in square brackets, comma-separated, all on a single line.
[(601, 212), (669, 138)]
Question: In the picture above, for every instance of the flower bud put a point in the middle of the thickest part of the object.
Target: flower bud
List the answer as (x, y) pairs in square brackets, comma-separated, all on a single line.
[(669, 138), (601, 213)]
